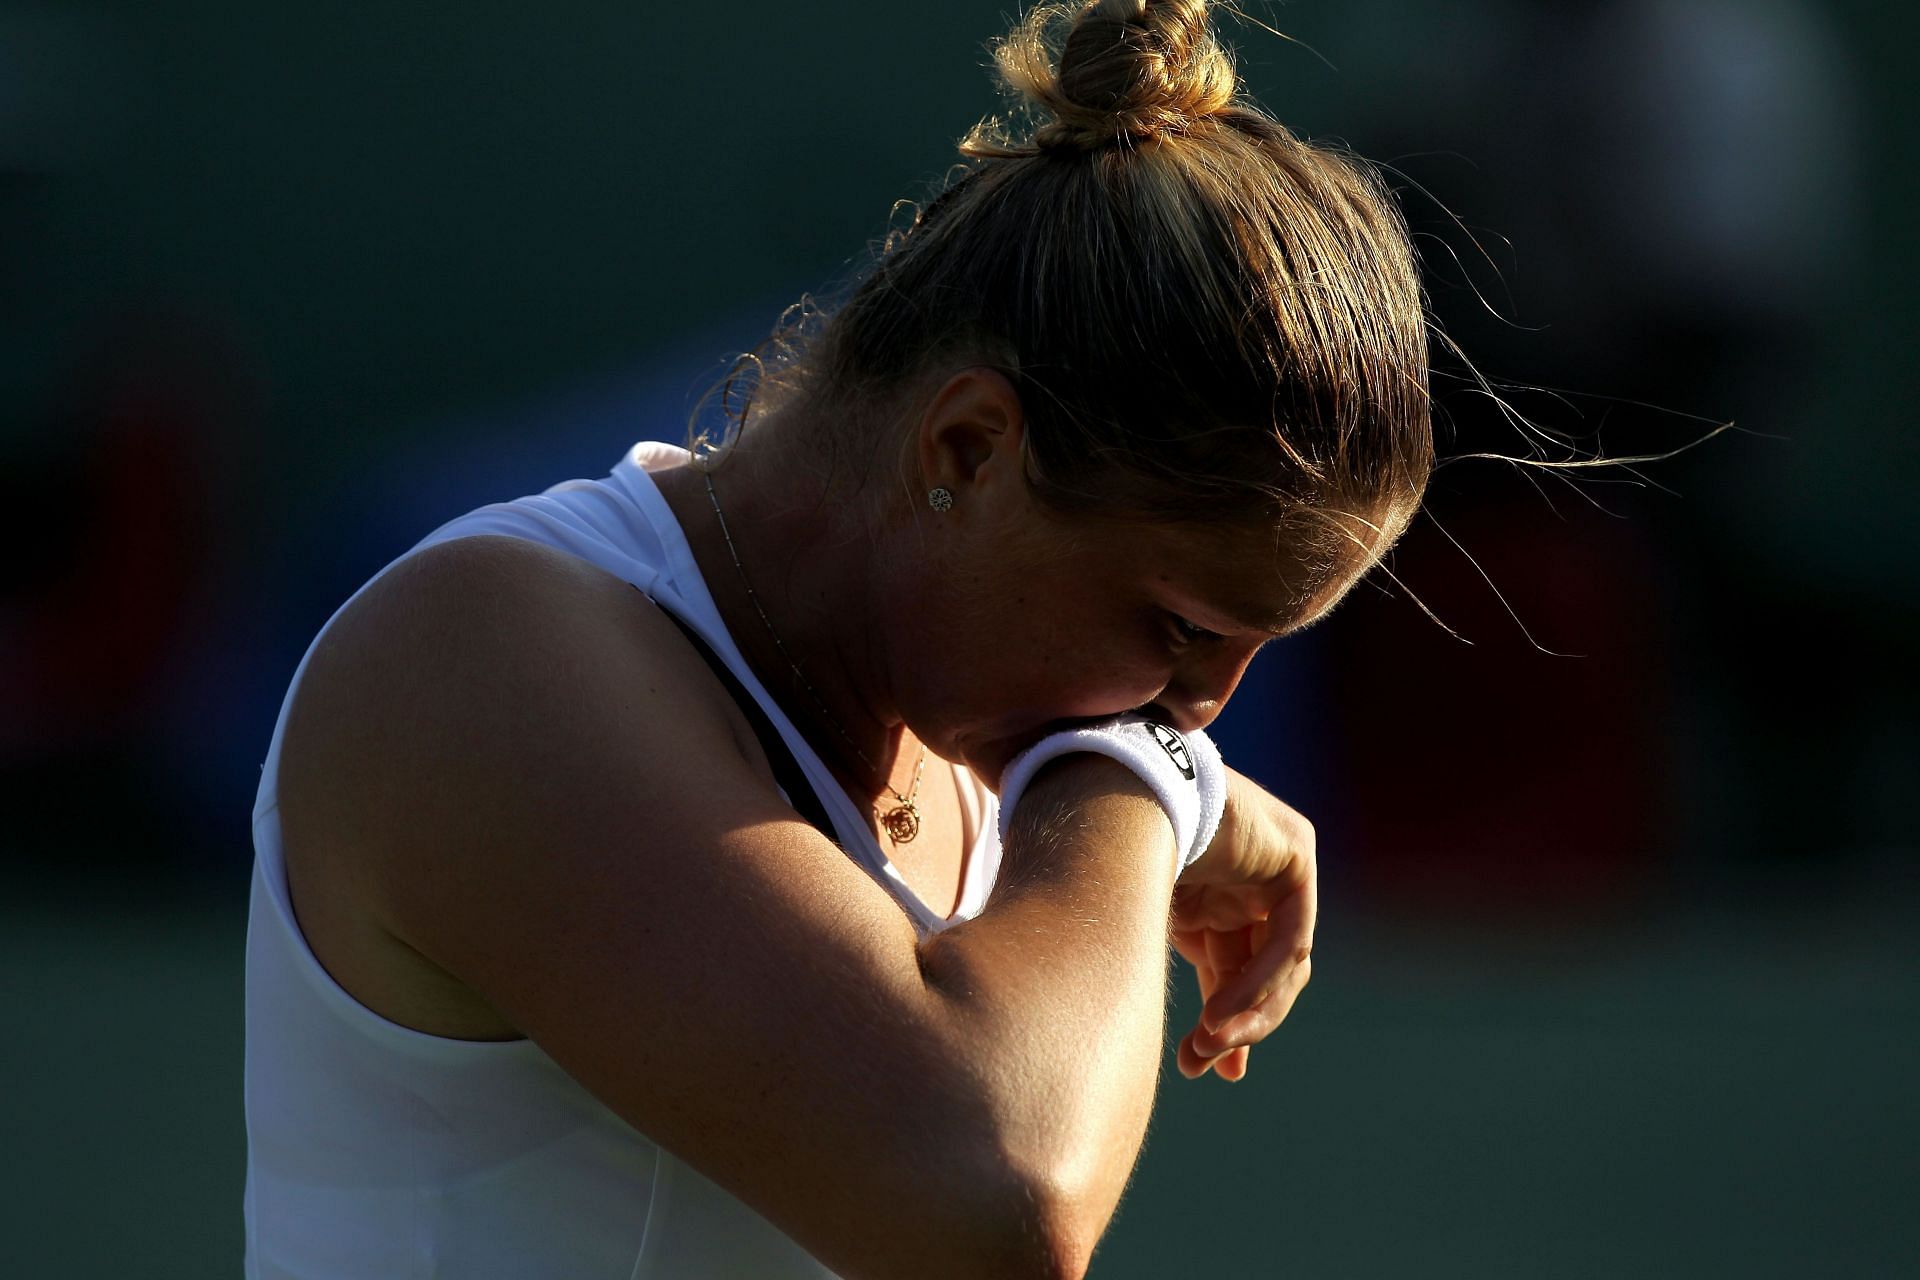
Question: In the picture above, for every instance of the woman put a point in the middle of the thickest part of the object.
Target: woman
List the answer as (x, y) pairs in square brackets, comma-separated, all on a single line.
[(676, 932)]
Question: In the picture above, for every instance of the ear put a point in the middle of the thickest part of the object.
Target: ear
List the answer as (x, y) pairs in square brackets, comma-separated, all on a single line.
[(972, 436)]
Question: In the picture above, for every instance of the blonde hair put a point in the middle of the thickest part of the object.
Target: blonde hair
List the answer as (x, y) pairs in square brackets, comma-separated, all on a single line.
[(1207, 318)]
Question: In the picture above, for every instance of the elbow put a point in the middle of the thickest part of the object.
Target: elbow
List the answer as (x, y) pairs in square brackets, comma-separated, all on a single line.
[(1067, 1238), (975, 1210), (1000, 1215), (1050, 1151), (1062, 1181), (1033, 1234)]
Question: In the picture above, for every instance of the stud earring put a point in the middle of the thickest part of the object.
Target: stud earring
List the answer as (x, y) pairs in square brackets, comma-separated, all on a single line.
[(940, 500)]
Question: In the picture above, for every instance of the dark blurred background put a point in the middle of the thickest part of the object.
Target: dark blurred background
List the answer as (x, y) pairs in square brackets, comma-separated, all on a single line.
[(1616, 974)]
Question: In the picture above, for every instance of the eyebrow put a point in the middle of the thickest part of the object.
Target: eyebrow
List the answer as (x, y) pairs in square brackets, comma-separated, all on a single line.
[(1242, 615), (1271, 628), (1252, 621)]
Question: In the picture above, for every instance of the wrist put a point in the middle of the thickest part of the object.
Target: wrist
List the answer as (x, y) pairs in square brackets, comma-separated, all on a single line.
[(1087, 787), (1084, 776), (1233, 818), (1183, 771)]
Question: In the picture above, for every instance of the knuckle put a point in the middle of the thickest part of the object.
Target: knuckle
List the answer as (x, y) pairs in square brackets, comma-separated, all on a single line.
[(1275, 999)]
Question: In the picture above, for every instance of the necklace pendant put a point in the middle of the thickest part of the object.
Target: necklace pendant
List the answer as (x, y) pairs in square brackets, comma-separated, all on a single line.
[(902, 824)]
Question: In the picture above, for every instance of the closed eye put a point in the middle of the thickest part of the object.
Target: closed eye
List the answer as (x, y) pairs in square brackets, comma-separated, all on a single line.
[(1185, 633)]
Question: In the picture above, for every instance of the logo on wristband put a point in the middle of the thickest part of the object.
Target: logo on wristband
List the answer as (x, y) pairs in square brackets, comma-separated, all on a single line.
[(1175, 747)]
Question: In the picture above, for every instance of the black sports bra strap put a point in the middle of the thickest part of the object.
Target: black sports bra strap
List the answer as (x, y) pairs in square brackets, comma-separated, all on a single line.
[(786, 768)]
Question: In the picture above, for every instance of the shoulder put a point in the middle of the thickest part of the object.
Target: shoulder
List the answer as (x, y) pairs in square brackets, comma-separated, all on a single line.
[(486, 661), (471, 685), (488, 592), (503, 640)]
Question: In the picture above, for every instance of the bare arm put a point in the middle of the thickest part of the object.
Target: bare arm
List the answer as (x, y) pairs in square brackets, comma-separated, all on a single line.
[(1060, 984), (564, 818)]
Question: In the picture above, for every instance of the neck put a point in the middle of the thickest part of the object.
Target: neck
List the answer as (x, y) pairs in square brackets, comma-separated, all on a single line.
[(807, 556)]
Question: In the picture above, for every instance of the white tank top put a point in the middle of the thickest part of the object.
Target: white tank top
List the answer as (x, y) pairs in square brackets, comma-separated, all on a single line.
[(374, 1150)]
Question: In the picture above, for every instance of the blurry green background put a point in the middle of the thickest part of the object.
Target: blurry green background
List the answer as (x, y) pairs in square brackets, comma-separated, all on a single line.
[(1617, 969)]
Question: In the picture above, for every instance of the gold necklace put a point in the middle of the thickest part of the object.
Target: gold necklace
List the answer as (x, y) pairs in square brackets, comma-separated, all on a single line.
[(902, 822)]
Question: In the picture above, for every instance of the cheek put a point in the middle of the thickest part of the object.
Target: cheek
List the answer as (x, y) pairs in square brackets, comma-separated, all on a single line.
[(1055, 672), (1003, 656)]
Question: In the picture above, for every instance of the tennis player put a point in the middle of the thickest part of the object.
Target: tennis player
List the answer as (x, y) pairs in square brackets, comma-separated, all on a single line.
[(761, 861)]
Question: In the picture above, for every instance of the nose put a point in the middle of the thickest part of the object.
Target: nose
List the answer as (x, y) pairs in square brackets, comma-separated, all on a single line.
[(1198, 689)]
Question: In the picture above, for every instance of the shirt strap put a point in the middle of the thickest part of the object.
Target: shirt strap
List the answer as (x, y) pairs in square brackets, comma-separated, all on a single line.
[(786, 767)]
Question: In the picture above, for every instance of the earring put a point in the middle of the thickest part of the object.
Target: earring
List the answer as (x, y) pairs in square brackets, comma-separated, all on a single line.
[(940, 500)]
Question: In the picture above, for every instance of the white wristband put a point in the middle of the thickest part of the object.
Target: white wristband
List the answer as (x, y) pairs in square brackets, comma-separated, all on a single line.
[(1184, 770)]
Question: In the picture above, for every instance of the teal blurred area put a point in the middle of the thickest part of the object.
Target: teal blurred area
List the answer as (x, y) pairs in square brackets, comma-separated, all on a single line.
[(1710, 1094), (1617, 973)]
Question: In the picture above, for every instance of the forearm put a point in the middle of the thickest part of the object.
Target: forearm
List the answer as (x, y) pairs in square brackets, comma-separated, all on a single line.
[(1054, 997)]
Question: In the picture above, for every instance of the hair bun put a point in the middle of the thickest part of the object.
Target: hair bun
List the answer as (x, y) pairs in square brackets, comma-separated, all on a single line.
[(1125, 68)]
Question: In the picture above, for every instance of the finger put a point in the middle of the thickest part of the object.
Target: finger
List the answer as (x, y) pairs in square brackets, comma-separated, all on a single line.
[(1227, 906), (1228, 951), (1192, 946), (1191, 1061), (1194, 1063), (1227, 954), (1281, 965), (1286, 944), (1189, 1055), (1252, 1025), (1206, 979), (1256, 1023), (1199, 1050)]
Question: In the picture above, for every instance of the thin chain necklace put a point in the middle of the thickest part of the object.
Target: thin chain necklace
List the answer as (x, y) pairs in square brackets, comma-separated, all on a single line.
[(902, 822)]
